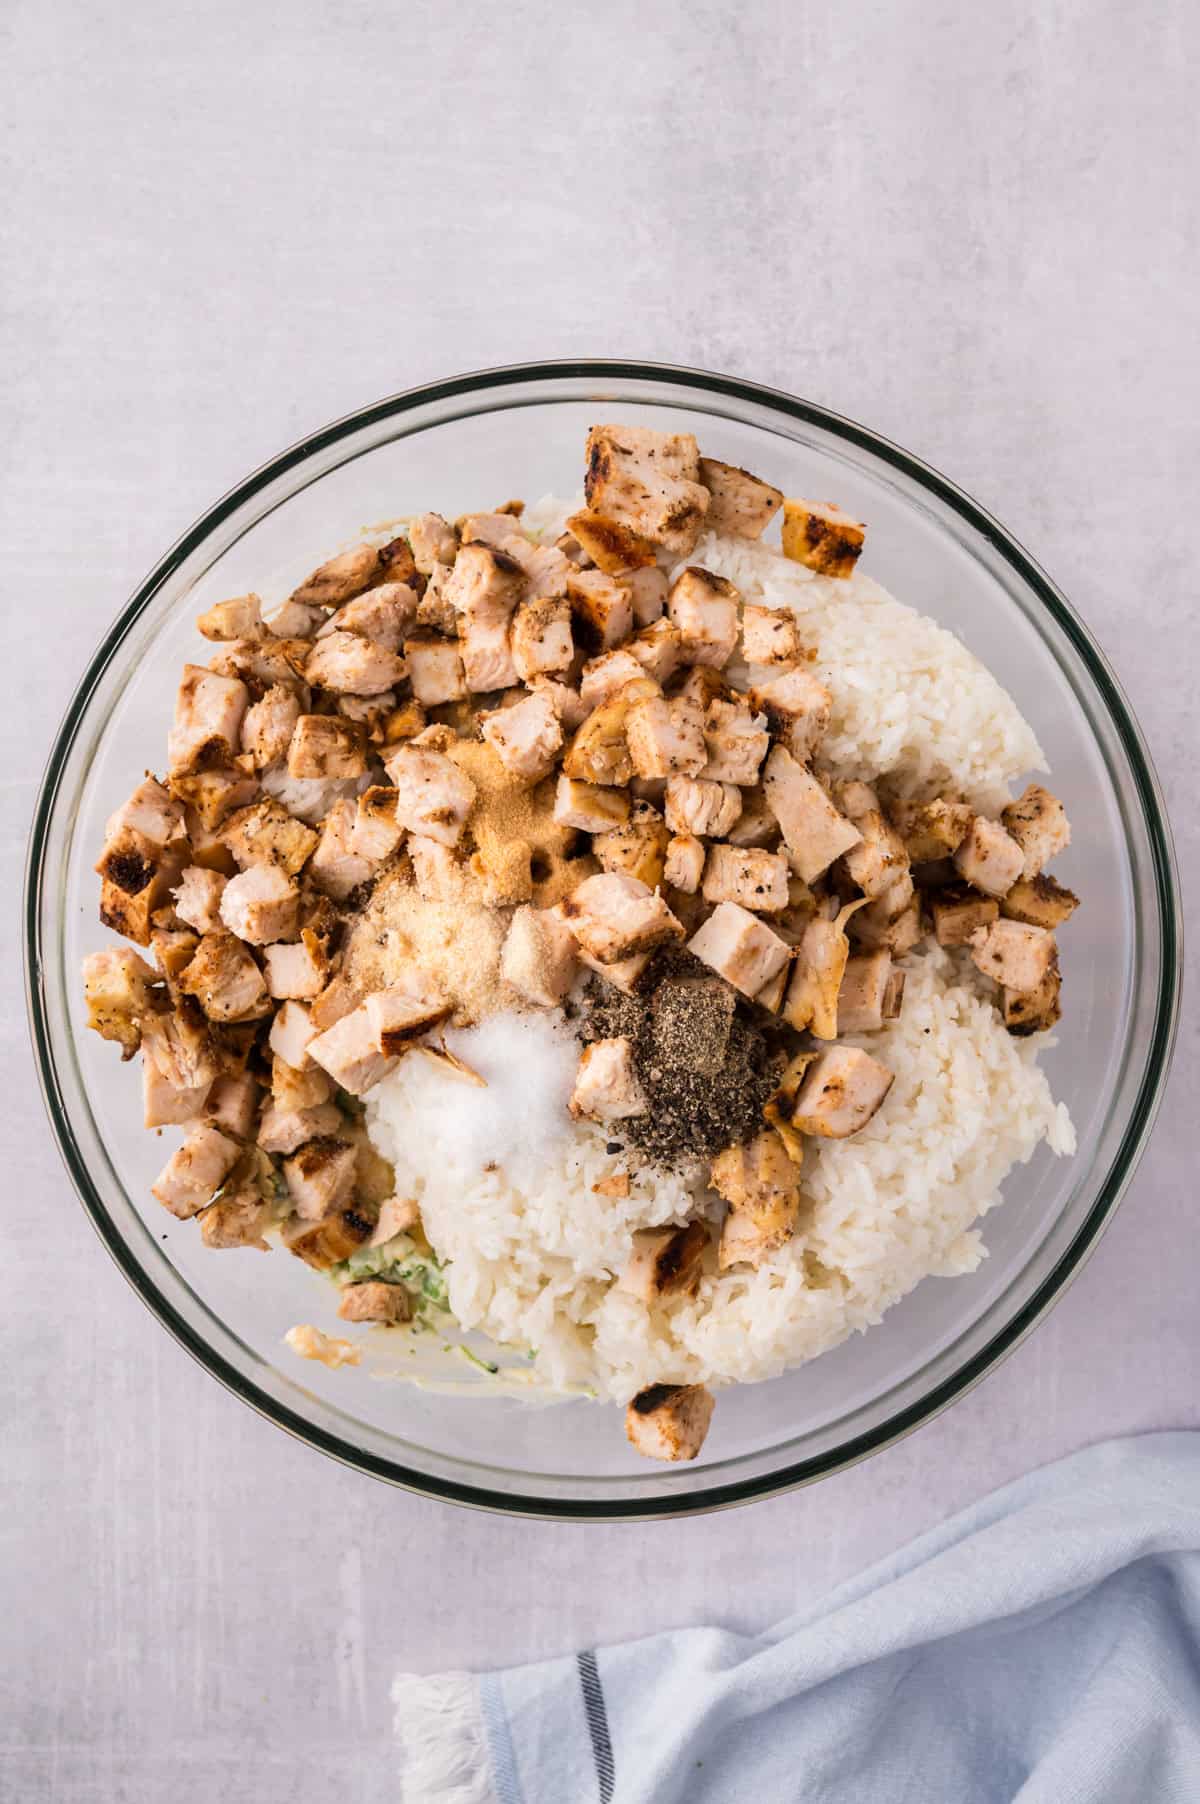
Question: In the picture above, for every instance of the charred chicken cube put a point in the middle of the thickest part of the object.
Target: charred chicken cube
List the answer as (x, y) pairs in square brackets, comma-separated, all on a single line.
[(1040, 901), (435, 670), (284, 1130), (820, 535), (377, 833), (736, 741), (527, 737), (666, 738), (293, 1089), (1034, 1011), (374, 1301), (406, 722), (568, 703), (626, 975), (797, 708), (261, 905), (1038, 822), (539, 956), (696, 806), (648, 481), (179, 1066), (813, 830), (756, 879), (740, 948), (323, 745), (738, 502), (349, 1051), (639, 848), (542, 641), (382, 615), (657, 649), (211, 795), (607, 675), (602, 607), (291, 1032), (433, 540), (135, 880), (607, 1087), (266, 833), (879, 858), (841, 1091), (433, 796), (487, 660), (648, 594), (239, 1219), (322, 1244), (118, 989), (339, 579), (296, 620), (665, 1262), (238, 618), (401, 1014), (232, 1104), (152, 813), (958, 912), (396, 1216), (892, 921), (669, 1421), (769, 635), (684, 865), (320, 1177), (760, 1182), (268, 725), (612, 546), (198, 898), (224, 979), (1016, 955), (195, 1170), (589, 807), (485, 585), (208, 718), (703, 608), (613, 917), (349, 665), (338, 999), (931, 830), (863, 998), (599, 752), (814, 990), (988, 858)]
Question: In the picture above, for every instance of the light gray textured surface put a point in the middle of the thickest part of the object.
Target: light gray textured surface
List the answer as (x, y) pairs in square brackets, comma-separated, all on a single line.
[(973, 228)]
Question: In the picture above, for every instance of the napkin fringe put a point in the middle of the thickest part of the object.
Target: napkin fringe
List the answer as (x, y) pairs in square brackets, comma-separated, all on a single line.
[(441, 1740)]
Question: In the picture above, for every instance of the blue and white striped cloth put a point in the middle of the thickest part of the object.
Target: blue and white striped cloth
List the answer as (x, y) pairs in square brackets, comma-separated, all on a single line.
[(1042, 1647)]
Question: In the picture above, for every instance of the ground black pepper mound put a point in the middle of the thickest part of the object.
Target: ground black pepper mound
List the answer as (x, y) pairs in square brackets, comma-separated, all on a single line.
[(705, 1063)]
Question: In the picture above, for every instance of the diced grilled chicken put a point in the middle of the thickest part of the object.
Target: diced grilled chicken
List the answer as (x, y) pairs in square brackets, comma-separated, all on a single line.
[(607, 675), (814, 988), (761, 1185), (1038, 822), (736, 740), (179, 1066), (648, 481), (435, 670), (436, 869), (665, 1262), (639, 848), (212, 795), (542, 641), (1016, 955), (383, 615), (485, 585), (135, 882), (377, 833), (340, 578), (322, 1244), (740, 948), (891, 921), (814, 831), (757, 880), (958, 913), (320, 1177), (294, 1088), (797, 708), (350, 665), (613, 917), (607, 1087), (433, 796), (539, 956), (703, 608), (401, 1014), (738, 502), (337, 1000), (117, 987), (397, 564), (268, 725), (1034, 1011), (648, 594), (841, 1091), (350, 1052), (323, 745), (756, 824), (285, 1130), (820, 535), (612, 546), (396, 1216), (198, 898), (208, 718), (526, 738), (433, 540), (1040, 901), (601, 606), (931, 830), (626, 975), (568, 703), (238, 1219), (261, 905), (224, 979), (544, 567), (599, 752), (863, 998), (486, 648), (769, 635), (666, 738), (879, 858), (436, 610), (684, 863), (374, 1301), (707, 810), (151, 812), (266, 833), (988, 858), (238, 618), (657, 650), (296, 620), (589, 807), (232, 1104), (669, 1421), (291, 1033), (195, 1170)]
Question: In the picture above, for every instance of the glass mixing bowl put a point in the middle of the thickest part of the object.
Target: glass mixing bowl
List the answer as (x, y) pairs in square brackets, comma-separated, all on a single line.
[(470, 442)]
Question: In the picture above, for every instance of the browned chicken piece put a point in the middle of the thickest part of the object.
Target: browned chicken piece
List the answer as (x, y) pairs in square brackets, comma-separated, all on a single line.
[(599, 752), (377, 832), (284, 1130), (648, 594), (349, 1051), (797, 708), (669, 1421), (568, 703), (239, 1219), (368, 712), (756, 879), (238, 618), (958, 912), (684, 863), (740, 948), (232, 1104), (212, 795), (323, 745), (704, 685), (1040, 901), (208, 719), (487, 660), (383, 615), (433, 796), (820, 535), (296, 620), (435, 670), (259, 663), (268, 725), (665, 1262), (756, 824), (396, 1216), (666, 738), (542, 641), (436, 869), (118, 988), (539, 956), (648, 481), (485, 585), (179, 1066), (1034, 1011), (195, 1170), (658, 650), (639, 848), (437, 615), (815, 987), (607, 1087), (626, 975), (374, 1301), (761, 1185), (707, 810), (291, 1032), (404, 723), (813, 830), (703, 608), (612, 546), (988, 858), (589, 807), (863, 998), (892, 921), (328, 1241), (738, 502), (397, 564), (337, 1000), (544, 567), (294, 1088), (320, 1178), (350, 665), (198, 898), (433, 540), (736, 740), (1014, 954), (601, 606), (340, 578), (931, 830), (1038, 822), (225, 980), (841, 1091), (879, 858), (769, 635), (607, 675), (266, 833), (613, 917), (527, 738), (401, 1014), (261, 905), (152, 813)]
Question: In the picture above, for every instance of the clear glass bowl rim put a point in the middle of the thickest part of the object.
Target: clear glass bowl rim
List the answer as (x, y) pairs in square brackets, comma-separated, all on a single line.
[(1142, 1113)]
